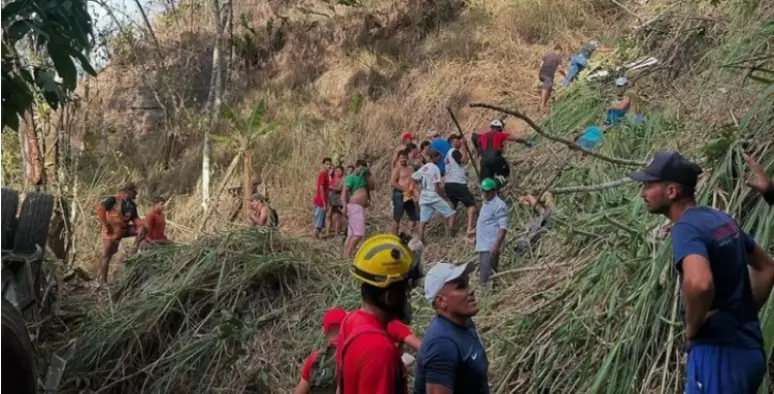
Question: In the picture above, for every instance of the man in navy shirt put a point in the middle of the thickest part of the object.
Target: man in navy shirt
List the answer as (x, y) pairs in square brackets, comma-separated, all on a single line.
[(451, 359), (721, 298)]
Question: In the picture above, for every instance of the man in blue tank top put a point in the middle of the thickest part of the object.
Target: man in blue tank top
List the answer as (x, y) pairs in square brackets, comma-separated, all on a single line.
[(721, 298)]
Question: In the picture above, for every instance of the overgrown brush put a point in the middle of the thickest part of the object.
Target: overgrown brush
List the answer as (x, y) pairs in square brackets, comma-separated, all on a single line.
[(206, 318)]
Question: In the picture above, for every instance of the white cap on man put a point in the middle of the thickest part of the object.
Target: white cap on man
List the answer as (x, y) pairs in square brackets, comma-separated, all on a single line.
[(496, 124), (443, 273)]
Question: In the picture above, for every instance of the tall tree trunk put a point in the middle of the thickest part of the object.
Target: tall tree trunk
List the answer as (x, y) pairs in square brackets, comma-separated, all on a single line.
[(247, 187), (223, 183), (214, 100), (34, 164)]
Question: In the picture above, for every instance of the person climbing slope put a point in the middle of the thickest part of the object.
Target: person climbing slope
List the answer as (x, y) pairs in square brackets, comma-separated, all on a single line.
[(551, 63), (580, 59), (431, 195), (320, 201), (368, 362), (403, 194), (261, 214), (130, 223), (152, 232), (452, 359), (725, 277), (405, 138), (318, 374), (355, 198), (490, 145), (456, 182)]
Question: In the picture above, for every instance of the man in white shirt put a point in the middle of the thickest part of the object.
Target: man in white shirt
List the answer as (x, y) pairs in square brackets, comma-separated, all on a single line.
[(431, 196), (490, 229), (456, 181)]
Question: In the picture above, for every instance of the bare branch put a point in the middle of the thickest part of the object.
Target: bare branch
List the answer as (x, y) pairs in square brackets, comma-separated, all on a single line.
[(591, 188), (570, 144)]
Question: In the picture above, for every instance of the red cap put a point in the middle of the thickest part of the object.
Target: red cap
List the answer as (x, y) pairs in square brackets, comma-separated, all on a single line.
[(333, 316), (406, 135)]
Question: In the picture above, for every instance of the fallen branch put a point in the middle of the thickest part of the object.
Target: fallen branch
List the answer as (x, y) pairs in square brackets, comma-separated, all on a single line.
[(591, 188), (527, 269), (555, 138)]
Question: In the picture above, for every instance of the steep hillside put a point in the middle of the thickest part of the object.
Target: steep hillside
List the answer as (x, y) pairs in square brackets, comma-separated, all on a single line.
[(592, 306)]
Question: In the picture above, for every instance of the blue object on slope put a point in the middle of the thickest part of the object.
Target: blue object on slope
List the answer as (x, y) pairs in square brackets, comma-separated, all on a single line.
[(590, 137)]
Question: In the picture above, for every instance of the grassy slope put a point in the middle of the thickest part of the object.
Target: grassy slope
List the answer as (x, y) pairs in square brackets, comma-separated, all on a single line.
[(598, 315)]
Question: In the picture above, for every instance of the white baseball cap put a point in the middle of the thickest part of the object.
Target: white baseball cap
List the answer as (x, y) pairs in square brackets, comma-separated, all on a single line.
[(443, 273), (496, 123), (621, 81)]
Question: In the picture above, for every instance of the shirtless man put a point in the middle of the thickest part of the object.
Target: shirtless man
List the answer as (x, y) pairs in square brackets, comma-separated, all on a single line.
[(405, 138), (261, 214), (355, 196), (403, 194)]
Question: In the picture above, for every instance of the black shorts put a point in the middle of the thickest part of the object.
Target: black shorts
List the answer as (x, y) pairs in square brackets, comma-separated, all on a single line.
[(399, 207), (459, 193), (547, 82), (497, 165)]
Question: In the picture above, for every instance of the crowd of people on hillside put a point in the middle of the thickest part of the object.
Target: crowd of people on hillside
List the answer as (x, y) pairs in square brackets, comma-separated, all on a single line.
[(424, 180), (726, 278)]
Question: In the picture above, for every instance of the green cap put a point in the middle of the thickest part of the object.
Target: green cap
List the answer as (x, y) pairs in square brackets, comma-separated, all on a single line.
[(488, 184)]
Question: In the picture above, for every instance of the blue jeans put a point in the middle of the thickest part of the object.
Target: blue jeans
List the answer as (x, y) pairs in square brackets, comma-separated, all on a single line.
[(577, 62), (718, 369), (319, 217)]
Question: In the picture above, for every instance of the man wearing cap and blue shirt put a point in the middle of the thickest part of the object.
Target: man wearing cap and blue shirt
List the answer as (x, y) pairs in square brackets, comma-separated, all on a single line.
[(721, 298), (451, 359)]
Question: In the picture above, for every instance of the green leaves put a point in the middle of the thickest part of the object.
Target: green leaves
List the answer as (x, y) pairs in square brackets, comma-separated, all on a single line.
[(59, 33), (248, 129)]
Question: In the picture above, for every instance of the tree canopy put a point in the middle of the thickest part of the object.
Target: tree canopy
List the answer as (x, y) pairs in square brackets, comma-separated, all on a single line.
[(56, 37)]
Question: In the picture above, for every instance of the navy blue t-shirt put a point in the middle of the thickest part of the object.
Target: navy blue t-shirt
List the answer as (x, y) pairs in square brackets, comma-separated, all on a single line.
[(451, 356), (442, 146), (715, 235)]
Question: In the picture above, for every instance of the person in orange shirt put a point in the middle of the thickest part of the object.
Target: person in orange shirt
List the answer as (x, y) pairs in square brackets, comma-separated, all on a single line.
[(152, 230), (123, 206), (367, 358)]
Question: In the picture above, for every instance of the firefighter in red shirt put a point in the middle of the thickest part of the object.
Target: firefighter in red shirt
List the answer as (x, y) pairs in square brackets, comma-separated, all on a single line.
[(368, 362), (490, 145)]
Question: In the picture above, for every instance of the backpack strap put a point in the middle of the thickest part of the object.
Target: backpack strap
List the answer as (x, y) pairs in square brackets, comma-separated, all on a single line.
[(399, 388)]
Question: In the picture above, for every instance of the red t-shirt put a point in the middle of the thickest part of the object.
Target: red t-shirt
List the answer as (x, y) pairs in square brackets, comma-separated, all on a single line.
[(369, 365), (498, 139), (155, 223), (323, 184)]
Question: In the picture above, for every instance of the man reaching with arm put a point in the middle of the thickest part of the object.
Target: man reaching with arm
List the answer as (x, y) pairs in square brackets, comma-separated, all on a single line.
[(725, 280), (761, 182)]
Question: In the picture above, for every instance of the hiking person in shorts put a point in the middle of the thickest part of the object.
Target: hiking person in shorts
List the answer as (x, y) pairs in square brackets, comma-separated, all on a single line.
[(456, 181), (552, 62), (490, 230), (334, 200), (367, 360), (452, 359), (123, 204), (490, 147), (320, 201), (403, 194), (761, 182), (356, 196), (152, 231), (431, 195), (318, 370), (725, 277), (405, 138), (261, 214)]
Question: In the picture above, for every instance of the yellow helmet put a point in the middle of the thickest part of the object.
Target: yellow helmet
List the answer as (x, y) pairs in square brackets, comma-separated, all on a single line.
[(383, 260)]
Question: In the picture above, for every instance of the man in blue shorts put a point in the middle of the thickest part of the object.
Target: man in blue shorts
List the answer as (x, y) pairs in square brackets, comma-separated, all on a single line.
[(725, 280), (451, 359)]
